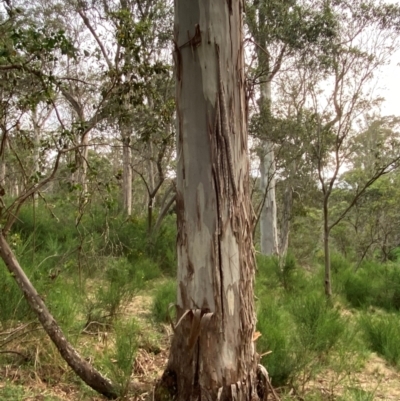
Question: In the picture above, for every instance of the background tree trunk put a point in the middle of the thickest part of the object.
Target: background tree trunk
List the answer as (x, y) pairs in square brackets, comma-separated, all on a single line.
[(327, 282), (268, 217), (212, 352), (287, 211), (127, 171)]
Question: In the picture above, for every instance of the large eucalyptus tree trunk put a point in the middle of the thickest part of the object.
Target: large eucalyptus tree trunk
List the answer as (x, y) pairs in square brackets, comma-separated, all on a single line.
[(212, 353)]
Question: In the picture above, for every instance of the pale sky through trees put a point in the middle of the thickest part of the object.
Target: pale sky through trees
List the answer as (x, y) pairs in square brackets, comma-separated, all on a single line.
[(389, 86), (389, 83)]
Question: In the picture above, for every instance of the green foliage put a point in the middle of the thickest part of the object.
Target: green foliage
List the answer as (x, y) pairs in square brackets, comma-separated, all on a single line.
[(339, 262), (273, 273), (299, 328), (277, 329), (165, 294), (64, 300), (15, 392), (319, 325), (394, 254), (358, 289), (357, 394), (131, 238), (382, 333), (373, 284), (50, 227), (268, 275), (118, 286), (121, 360), (13, 306)]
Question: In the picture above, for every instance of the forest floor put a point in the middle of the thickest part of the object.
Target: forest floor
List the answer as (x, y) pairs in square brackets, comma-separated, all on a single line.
[(21, 381)]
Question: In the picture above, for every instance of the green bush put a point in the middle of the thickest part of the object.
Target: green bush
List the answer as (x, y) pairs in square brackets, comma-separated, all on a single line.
[(165, 295), (277, 329), (393, 288), (53, 229), (373, 284), (339, 262), (357, 394), (119, 284), (13, 306), (382, 335), (46, 221), (267, 275), (63, 299), (394, 254), (287, 271), (358, 288), (121, 360), (274, 274), (144, 269), (319, 326)]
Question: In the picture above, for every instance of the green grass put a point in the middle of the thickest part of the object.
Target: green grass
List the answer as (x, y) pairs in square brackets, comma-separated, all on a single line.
[(277, 341), (382, 333), (15, 392), (88, 275), (165, 294)]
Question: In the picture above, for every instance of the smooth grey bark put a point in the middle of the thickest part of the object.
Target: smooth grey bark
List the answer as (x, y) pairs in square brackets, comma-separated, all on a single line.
[(327, 279), (3, 171), (78, 364), (286, 217), (287, 212), (212, 353), (3, 164), (166, 204), (82, 139), (268, 219), (82, 162), (126, 172)]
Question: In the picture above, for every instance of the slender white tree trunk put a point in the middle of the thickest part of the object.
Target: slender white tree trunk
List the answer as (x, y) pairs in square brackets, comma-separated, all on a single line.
[(269, 243), (84, 153), (127, 172), (212, 353), (3, 166), (268, 218), (287, 212), (151, 186), (36, 144), (3, 171), (285, 226)]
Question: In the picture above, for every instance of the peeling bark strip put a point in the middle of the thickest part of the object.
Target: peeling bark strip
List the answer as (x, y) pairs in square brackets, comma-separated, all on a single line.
[(78, 364), (212, 353)]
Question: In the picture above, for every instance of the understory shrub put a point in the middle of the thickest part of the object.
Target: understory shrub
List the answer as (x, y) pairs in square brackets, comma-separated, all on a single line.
[(319, 325), (120, 360), (382, 333), (120, 282), (165, 294), (273, 273), (276, 341), (13, 306), (373, 284)]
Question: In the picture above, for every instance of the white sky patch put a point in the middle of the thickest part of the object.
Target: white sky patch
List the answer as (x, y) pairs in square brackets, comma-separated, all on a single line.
[(389, 86)]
